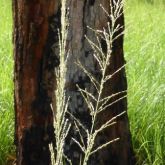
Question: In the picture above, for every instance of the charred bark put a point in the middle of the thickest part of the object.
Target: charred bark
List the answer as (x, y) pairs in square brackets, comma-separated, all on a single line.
[(34, 78), (89, 13)]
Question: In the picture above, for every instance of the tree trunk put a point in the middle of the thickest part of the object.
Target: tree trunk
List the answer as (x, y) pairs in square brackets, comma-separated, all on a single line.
[(89, 13), (34, 78), (35, 81)]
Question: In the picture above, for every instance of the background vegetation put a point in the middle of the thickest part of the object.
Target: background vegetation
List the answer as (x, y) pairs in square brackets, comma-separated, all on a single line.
[(144, 52), (6, 82)]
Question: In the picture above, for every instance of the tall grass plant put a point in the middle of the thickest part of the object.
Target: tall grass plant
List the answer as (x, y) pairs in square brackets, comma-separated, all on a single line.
[(96, 103)]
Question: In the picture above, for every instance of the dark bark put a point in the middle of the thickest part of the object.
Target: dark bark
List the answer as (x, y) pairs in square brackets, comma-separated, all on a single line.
[(89, 13), (34, 78)]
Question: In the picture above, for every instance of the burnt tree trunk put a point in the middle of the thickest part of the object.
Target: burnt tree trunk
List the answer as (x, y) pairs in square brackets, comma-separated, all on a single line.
[(83, 13), (34, 78), (35, 34)]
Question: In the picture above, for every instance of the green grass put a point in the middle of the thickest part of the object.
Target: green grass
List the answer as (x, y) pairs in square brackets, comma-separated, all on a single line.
[(145, 54), (6, 84)]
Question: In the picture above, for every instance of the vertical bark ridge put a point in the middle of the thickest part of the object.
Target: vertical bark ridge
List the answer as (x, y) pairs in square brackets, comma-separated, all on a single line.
[(34, 78)]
